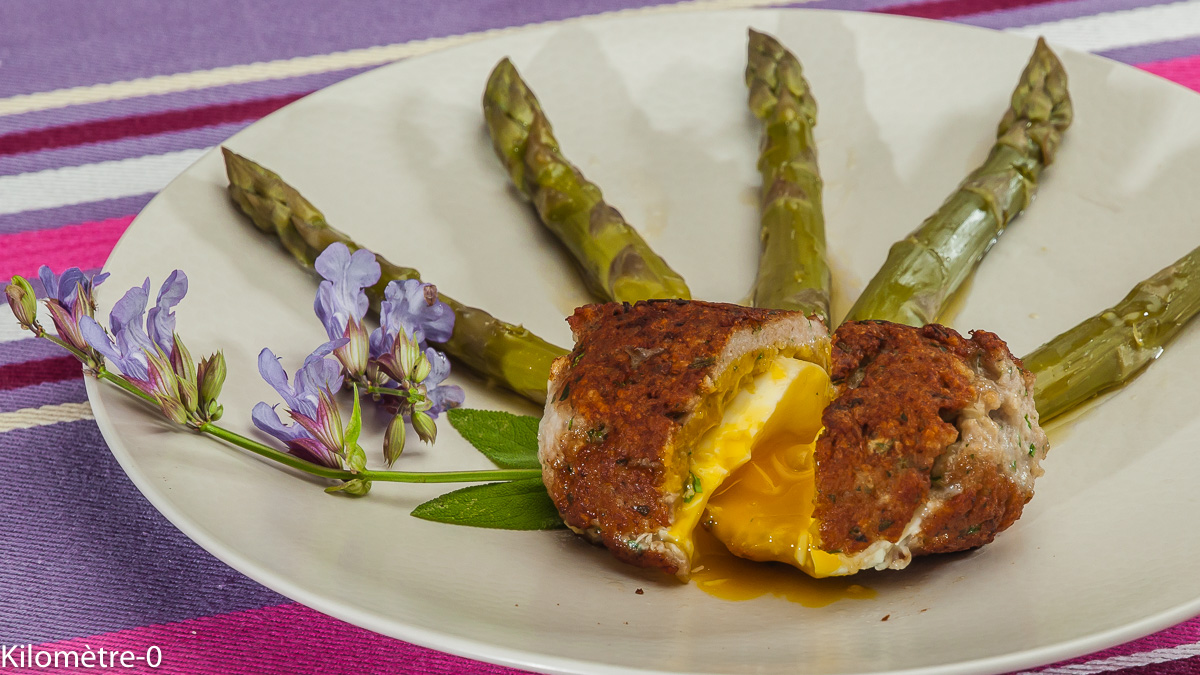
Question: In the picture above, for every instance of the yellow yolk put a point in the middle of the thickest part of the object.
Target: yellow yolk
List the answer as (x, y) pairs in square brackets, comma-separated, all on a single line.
[(722, 574), (764, 511), (728, 446)]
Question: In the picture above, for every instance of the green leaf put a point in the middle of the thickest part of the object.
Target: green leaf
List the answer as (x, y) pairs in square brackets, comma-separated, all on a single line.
[(354, 429), (516, 505), (508, 440)]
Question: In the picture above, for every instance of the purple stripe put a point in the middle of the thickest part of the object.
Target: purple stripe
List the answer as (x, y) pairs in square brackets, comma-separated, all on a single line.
[(30, 349), (229, 93), (126, 39), (124, 148), (84, 553), (46, 393), (29, 221), (1155, 51), (1053, 11)]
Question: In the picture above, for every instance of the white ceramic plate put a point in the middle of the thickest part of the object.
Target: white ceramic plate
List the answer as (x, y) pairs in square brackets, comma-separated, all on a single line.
[(653, 110)]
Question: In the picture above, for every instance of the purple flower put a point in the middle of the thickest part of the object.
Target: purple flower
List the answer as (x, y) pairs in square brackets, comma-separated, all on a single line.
[(341, 303), (441, 397), (411, 306), (69, 299), (63, 287), (318, 435), (146, 349), (135, 341)]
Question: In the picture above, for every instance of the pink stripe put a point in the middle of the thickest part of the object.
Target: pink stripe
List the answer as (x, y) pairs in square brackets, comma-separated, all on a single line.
[(1185, 633), (83, 245), (1185, 70), (292, 638), (283, 639)]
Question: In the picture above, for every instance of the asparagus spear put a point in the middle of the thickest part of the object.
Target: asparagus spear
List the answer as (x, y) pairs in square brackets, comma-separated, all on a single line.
[(505, 354), (1113, 346), (616, 263), (923, 271), (792, 270)]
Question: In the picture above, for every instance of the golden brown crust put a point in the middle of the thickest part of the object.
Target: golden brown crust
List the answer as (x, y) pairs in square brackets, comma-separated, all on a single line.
[(988, 503), (899, 389), (634, 377)]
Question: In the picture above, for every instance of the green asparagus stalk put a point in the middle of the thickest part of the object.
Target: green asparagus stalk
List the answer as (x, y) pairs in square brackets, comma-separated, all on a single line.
[(923, 272), (614, 260), (1113, 346), (504, 354), (792, 270)]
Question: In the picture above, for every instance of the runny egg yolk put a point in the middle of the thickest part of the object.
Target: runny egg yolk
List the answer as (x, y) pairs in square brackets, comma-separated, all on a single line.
[(764, 510), (763, 446)]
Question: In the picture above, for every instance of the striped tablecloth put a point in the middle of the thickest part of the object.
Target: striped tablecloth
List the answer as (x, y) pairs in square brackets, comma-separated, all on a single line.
[(103, 102)]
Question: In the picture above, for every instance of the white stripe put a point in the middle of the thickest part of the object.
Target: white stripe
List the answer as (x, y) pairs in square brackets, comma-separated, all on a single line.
[(11, 331), (1121, 662), (304, 65), (1113, 30), (45, 415), (92, 182)]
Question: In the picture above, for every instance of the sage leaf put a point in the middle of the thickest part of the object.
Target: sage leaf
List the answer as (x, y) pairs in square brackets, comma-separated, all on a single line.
[(354, 429), (508, 440), (516, 505)]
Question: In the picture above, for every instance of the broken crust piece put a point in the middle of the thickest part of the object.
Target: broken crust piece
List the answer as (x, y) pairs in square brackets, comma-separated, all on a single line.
[(625, 407), (932, 444)]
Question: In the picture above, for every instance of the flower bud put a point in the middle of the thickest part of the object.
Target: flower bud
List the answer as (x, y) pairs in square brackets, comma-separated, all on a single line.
[(418, 398), (214, 411), (185, 371), (23, 301), (408, 353), (430, 292), (356, 458), (354, 354), (84, 304), (421, 369), (393, 440), (351, 488), (66, 325), (424, 425), (210, 376), (161, 382), (173, 409)]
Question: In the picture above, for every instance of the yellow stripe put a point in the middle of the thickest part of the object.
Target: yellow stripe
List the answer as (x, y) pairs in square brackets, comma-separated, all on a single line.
[(302, 65), (45, 415)]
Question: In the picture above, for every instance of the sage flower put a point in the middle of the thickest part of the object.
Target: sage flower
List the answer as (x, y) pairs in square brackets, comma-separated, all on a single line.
[(441, 397), (145, 348), (317, 435), (69, 297), (410, 316), (412, 306), (341, 303)]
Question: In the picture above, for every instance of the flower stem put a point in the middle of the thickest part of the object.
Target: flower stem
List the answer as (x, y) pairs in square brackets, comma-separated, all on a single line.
[(65, 345), (387, 391), (382, 476), (271, 453), (484, 476), (105, 374), (315, 469)]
